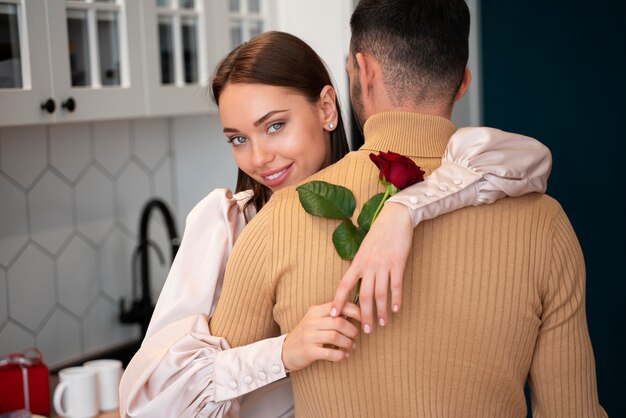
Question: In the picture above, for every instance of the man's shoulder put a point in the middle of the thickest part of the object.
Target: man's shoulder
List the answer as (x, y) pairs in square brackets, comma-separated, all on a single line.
[(535, 210)]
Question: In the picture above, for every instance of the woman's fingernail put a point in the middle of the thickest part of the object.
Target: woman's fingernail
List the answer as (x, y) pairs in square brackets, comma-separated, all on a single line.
[(396, 308), (347, 354), (333, 312), (367, 328), (381, 322), (354, 346)]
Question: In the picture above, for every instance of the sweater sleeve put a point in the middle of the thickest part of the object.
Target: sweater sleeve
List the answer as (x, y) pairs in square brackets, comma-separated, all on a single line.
[(244, 313), (562, 375), (480, 165), (181, 369)]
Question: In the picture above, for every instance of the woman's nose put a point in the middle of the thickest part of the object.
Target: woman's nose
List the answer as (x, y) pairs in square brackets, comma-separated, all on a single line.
[(262, 154)]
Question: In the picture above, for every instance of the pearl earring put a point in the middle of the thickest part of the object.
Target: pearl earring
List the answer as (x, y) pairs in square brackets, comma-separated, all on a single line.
[(331, 126)]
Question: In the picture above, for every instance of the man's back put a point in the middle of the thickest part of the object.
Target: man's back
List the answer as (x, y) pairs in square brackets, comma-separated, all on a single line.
[(490, 293)]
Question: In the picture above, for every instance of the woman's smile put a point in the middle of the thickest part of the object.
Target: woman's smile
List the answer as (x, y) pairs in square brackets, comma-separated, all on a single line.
[(275, 178)]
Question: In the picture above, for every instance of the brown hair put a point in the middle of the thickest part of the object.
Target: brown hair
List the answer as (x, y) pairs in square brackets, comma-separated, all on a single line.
[(283, 60), (421, 44)]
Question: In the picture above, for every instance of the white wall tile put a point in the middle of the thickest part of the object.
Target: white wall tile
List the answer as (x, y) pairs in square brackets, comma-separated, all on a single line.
[(132, 191), (204, 160), (24, 153), (59, 339), (13, 224), (4, 298), (151, 140), (70, 148), (31, 288), (77, 269), (163, 182), (112, 144), (14, 339), (102, 329), (50, 208), (115, 265), (94, 205)]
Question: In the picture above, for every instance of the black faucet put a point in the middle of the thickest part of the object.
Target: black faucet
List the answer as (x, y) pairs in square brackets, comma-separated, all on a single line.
[(141, 309)]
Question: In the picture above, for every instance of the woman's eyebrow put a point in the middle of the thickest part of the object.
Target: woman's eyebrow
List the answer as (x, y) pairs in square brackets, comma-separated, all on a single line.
[(258, 122), (267, 116)]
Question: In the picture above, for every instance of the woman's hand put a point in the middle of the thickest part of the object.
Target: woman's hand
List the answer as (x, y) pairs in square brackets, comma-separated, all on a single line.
[(310, 340), (379, 263)]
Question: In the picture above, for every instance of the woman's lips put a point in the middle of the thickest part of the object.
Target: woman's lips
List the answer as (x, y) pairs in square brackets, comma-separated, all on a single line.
[(275, 178)]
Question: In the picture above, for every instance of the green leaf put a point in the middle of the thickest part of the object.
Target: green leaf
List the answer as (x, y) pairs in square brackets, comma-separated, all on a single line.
[(326, 200), (347, 239), (367, 213)]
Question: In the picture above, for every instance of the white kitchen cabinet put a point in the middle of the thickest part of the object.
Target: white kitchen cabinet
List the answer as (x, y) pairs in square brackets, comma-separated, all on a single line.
[(181, 44), (78, 57), (185, 39), (87, 60)]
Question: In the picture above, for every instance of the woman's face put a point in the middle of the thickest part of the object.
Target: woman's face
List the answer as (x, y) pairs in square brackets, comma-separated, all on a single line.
[(278, 137)]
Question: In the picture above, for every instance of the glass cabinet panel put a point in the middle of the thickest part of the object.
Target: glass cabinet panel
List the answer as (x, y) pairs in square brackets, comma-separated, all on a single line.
[(187, 4), (178, 29), (166, 49), (254, 6), (10, 57), (233, 5), (236, 33), (78, 38), (108, 46), (190, 49), (247, 19), (94, 62)]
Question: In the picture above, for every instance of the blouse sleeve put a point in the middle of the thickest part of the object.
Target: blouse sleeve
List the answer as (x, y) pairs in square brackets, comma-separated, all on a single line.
[(181, 369), (480, 165)]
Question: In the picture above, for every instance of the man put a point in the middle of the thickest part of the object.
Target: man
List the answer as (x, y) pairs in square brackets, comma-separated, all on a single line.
[(493, 295)]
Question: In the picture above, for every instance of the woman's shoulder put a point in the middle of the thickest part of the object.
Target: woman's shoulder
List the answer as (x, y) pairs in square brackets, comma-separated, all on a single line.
[(220, 200)]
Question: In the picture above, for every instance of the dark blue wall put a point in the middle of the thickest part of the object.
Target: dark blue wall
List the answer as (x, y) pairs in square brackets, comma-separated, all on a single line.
[(555, 70)]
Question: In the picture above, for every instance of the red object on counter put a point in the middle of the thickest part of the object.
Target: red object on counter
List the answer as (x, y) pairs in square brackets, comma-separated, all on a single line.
[(24, 382)]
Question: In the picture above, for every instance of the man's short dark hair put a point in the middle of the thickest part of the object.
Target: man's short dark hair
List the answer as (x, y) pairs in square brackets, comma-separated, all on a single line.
[(422, 45)]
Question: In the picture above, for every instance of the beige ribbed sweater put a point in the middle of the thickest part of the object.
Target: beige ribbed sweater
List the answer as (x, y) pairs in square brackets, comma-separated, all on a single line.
[(492, 295)]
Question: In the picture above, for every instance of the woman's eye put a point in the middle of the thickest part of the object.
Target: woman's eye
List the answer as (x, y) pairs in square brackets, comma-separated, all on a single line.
[(237, 140), (275, 127)]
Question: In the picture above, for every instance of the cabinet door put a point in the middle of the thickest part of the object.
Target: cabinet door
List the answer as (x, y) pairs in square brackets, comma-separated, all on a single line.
[(181, 40), (24, 67), (96, 59)]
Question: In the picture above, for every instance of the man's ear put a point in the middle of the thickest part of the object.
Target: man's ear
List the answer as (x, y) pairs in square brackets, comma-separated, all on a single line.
[(367, 73), (467, 78), (328, 107)]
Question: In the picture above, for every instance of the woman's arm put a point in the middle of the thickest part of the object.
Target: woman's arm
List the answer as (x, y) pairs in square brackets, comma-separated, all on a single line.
[(181, 369), (480, 165)]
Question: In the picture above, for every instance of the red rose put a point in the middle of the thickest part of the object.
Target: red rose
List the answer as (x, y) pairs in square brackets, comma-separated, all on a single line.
[(397, 169)]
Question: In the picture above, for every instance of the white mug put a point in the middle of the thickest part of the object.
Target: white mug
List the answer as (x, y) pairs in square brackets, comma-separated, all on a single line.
[(109, 374), (76, 395)]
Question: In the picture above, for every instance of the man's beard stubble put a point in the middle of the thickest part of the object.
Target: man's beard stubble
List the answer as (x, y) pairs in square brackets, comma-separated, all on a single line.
[(357, 104)]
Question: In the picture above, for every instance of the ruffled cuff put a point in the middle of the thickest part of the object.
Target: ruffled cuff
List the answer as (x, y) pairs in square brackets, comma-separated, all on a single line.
[(243, 369)]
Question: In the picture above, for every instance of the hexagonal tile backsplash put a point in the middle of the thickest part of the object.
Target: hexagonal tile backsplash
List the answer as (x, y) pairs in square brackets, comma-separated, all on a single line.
[(70, 198)]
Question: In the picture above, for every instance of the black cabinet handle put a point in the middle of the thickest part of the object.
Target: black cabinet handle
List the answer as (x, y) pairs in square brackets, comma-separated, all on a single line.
[(49, 106), (69, 104)]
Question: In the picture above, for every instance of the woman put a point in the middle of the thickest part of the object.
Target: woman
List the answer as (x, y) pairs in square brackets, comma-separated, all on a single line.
[(281, 116)]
